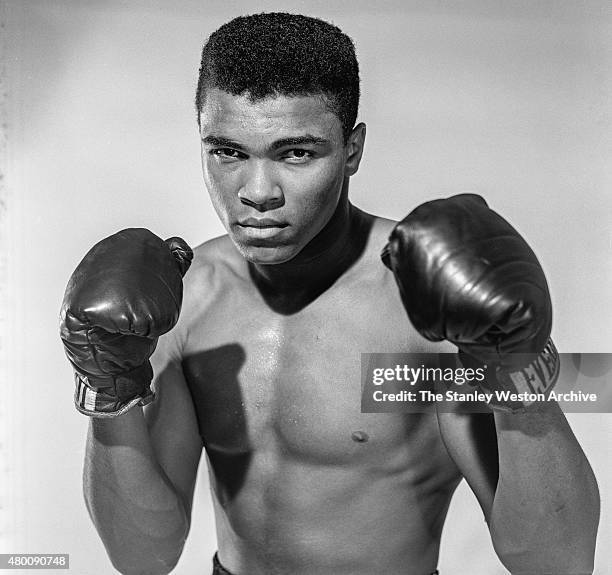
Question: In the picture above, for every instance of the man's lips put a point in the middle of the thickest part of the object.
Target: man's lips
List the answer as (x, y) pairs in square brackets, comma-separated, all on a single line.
[(262, 223)]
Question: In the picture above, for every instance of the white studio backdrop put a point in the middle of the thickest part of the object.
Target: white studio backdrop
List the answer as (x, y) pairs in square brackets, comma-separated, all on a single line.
[(508, 99)]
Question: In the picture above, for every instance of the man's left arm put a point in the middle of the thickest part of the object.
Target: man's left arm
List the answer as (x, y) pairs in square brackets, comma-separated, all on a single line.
[(465, 275), (545, 510), (535, 486)]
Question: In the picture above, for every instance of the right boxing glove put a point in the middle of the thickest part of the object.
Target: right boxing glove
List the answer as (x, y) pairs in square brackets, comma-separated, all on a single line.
[(125, 293)]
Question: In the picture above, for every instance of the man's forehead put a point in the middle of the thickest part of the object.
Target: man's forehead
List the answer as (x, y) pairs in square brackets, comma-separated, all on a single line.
[(227, 114)]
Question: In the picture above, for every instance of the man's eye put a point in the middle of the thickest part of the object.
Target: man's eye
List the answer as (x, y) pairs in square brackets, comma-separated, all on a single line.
[(298, 156), (227, 153)]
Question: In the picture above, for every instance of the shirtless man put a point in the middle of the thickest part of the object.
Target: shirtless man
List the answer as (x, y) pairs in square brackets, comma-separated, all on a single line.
[(262, 369)]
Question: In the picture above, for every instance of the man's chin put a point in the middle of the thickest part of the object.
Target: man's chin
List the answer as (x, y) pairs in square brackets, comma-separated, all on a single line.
[(267, 255)]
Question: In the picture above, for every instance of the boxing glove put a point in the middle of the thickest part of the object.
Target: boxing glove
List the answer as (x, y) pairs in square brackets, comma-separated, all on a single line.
[(125, 293), (467, 276)]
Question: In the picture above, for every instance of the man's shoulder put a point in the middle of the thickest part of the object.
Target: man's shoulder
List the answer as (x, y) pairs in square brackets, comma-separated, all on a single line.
[(215, 255), (381, 228), (215, 262), (378, 231)]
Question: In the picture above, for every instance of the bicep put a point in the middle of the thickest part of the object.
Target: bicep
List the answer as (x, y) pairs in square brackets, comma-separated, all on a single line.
[(173, 426), (471, 441)]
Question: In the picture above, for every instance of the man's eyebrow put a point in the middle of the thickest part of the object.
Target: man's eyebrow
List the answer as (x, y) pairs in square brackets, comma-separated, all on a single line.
[(221, 142), (298, 141), (305, 140)]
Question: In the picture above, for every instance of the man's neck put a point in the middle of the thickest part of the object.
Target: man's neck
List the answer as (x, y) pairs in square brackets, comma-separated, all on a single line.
[(290, 286)]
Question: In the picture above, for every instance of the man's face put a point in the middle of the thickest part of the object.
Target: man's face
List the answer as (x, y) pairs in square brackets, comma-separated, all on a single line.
[(274, 169)]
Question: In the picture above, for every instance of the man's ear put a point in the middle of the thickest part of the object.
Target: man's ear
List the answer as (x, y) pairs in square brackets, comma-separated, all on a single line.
[(354, 149)]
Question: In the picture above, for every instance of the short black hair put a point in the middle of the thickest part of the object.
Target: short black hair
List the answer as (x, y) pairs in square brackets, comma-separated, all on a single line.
[(276, 53)]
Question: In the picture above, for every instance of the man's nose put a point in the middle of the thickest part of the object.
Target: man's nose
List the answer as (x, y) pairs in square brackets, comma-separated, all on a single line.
[(261, 189)]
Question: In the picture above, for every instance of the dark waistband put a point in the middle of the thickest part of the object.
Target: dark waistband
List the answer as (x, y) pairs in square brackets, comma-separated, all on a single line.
[(218, 569)]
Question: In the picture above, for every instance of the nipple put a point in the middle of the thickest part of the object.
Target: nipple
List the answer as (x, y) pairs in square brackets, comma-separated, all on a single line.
[(359, 436)]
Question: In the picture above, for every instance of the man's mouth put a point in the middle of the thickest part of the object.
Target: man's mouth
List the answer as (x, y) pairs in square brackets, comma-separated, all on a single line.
[(259, 230), (262, 223)]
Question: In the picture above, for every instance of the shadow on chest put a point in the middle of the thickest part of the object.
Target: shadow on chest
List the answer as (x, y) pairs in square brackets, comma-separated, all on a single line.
[(300, 402)]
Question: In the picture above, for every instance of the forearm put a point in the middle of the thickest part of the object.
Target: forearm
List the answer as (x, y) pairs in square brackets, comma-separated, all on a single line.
[(139, 516), (546, 507)]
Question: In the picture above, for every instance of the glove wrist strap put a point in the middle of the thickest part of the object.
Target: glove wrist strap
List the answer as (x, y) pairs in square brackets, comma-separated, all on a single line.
[(519, 388), (514, 389), (111, 396)]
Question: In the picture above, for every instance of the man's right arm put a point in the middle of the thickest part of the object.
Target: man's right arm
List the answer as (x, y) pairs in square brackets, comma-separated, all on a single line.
[(139, 471), (139, 476)]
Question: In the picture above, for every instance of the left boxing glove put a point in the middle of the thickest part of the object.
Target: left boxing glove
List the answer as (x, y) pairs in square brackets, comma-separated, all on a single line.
[(124, 294), (466, 275)]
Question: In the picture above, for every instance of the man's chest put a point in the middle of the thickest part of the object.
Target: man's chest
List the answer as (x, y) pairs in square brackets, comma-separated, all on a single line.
[(261, 380)]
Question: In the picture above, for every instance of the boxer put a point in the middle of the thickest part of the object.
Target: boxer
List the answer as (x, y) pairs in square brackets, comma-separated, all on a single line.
[(251, 355)]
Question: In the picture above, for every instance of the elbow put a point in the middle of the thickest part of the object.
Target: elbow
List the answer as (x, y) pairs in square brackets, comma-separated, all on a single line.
[(552, 557), (562, 541), (146, 560), (538, 563), (139, 543), (144, 554), (556, 535), (130, 566)]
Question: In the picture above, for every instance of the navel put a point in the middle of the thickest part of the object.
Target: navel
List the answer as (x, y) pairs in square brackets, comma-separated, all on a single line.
[(359, 436)]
